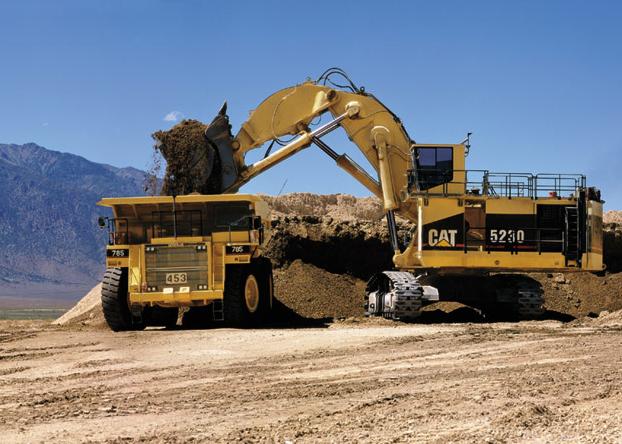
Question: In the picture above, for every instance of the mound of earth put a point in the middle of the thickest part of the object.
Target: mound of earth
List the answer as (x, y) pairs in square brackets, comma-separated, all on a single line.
[(612, 244), (314, 293), (337, 206), (612, 217), (357, 248), (88, 311), (609, 319), (579, 294)]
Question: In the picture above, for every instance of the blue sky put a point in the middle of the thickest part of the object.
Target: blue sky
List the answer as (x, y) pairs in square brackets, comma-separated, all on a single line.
[(539, 83)]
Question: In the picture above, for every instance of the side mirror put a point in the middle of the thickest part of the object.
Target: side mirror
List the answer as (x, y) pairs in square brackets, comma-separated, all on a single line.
[(102, 221), (257, 225)]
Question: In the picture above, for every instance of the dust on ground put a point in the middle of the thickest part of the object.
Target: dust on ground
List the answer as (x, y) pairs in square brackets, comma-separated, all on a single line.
[(350, 382)]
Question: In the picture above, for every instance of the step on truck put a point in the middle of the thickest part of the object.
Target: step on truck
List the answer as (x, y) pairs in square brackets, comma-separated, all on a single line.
[(198, 253)]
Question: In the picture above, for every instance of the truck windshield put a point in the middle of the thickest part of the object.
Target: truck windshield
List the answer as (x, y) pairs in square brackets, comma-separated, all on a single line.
[(232, 217), (138, 224)]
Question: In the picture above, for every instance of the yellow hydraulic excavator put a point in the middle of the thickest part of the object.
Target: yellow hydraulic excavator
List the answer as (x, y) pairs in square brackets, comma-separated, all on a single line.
[(473, 230)]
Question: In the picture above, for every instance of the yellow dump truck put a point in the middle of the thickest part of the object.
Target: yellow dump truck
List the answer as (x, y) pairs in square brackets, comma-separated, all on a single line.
[(197, 251)]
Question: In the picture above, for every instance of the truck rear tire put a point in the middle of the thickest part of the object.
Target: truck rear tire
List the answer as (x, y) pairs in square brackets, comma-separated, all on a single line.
[(267, 282), (114, 300), (246, 297)]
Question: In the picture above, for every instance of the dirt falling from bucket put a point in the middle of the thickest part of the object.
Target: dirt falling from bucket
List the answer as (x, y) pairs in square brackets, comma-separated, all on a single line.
[(192, 163)]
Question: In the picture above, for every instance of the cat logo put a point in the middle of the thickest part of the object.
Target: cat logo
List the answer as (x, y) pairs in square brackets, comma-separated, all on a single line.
[(442, 238)]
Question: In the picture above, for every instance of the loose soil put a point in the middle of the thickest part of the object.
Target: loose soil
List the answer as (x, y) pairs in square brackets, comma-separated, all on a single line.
[(314, 293), (612, 216), (88, 311), (192, 164), (353, 381)]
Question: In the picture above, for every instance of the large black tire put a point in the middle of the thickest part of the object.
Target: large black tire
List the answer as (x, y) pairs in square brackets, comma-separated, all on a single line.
[(267, 282), (114, 300), (241, 280)]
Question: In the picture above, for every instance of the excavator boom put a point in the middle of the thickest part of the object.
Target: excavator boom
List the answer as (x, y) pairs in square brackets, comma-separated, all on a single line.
[(375, 130)]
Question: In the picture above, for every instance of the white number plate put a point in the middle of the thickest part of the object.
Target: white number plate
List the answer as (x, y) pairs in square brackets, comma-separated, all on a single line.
[(176, 278)]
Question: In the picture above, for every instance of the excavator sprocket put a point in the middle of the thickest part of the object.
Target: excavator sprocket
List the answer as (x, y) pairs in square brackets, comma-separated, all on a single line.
[(395, 295)]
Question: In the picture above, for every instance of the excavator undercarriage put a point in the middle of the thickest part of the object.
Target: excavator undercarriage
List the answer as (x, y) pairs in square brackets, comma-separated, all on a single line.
[(473, 230)]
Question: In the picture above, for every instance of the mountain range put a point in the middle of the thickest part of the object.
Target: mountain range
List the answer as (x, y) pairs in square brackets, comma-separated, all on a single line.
[(50, 244)]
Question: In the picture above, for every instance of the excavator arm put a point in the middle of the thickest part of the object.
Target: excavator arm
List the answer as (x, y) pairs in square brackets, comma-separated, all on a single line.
[(375, 130)]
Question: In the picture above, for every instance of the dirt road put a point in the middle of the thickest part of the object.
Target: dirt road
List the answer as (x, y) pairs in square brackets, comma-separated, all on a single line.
[(350, 381)]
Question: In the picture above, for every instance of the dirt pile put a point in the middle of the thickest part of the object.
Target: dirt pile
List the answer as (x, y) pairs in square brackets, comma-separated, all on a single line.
[(192, 164), (337, 206), (612, 244), (314, 293), (609, 319), (612, 216), (581, 294), (88, 311), (357, 248)]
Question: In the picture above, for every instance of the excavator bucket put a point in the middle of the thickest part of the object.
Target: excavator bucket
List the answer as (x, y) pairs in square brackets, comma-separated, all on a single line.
[(199, 157), (218, 134)]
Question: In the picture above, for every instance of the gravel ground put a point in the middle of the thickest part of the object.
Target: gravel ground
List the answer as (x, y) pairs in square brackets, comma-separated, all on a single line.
[(352, 381)]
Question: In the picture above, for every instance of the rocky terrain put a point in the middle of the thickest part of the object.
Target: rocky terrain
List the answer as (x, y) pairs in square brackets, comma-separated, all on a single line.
[(350, 381)]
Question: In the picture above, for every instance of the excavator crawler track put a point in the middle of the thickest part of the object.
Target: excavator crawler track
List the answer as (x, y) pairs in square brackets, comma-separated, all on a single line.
[(394, 295), (530, 303), (524, 296)]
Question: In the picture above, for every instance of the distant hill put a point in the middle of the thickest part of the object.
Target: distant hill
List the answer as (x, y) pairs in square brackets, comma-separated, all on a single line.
[(50, 243)]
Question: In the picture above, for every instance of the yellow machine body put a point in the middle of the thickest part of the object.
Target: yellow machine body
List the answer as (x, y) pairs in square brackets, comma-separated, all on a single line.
[(183, 265), (473, 220), (477, 220)]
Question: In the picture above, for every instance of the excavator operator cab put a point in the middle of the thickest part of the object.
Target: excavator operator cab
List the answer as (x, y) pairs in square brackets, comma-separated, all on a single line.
[(437, 169)]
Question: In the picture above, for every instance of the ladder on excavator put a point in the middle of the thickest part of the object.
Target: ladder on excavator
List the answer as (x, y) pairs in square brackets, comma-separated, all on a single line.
[(572, 238)]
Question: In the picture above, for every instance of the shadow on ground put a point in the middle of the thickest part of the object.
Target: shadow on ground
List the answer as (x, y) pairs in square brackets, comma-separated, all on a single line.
[(284, 317)]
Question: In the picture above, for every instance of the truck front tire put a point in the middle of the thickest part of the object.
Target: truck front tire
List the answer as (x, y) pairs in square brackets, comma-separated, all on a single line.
[(114, 301)]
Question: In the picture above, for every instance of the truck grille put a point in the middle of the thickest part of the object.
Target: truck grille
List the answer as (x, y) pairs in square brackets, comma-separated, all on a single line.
[(161, 260)]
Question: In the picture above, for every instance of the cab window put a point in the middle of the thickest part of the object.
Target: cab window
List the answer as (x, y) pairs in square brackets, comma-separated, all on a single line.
[(232, 217), (434, 166)]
